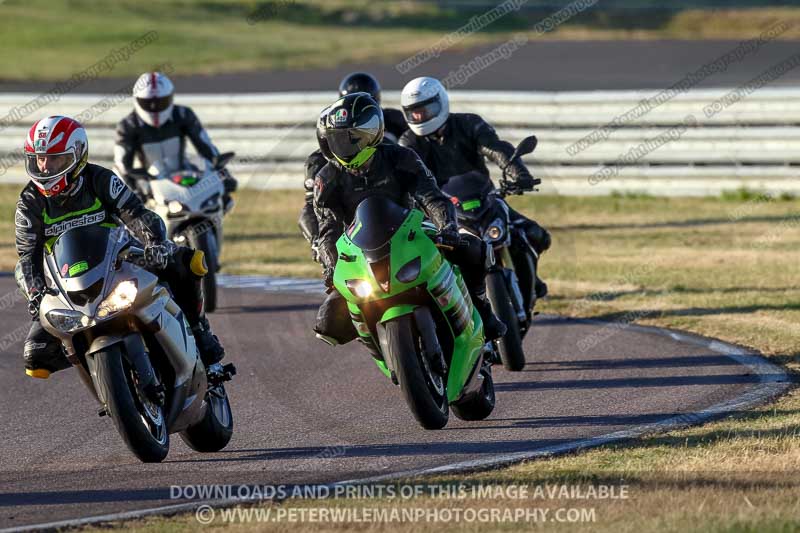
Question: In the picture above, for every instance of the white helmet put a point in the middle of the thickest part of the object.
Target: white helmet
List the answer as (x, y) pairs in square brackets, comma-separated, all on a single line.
[(425, 105), (152, 96)]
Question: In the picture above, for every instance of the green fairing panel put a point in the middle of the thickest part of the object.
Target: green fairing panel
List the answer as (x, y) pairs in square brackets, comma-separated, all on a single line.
[(439, 277)]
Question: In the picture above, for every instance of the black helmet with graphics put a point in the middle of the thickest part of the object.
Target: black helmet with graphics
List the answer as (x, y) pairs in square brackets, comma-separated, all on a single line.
[(349, 129)]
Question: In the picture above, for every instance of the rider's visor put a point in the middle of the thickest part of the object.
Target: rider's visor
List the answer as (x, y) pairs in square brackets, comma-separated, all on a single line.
[(156, 104), (46, 167), (346, 143), (423, 111)]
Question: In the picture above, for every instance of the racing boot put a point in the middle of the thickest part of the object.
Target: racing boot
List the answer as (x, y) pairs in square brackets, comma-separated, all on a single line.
[(43, 353), (540, 288), (211, 351), (493, 327)]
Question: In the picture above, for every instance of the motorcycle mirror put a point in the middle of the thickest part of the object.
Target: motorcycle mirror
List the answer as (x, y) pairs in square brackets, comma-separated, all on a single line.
[(526, 146), (223, 159)]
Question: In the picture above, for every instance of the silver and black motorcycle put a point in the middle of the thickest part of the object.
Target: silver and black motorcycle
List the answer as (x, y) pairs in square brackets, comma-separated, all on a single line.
[(190, 201), (130, 342), (510, 285)]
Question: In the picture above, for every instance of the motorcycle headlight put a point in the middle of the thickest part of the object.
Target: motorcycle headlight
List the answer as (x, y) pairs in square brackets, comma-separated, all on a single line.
[(175, 207), (409, 271), (66, 320), (359, 287), (121, 297), (495, 230)]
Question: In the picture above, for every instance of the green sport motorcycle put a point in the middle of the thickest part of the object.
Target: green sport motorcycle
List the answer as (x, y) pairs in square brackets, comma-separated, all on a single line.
[(412, 311)]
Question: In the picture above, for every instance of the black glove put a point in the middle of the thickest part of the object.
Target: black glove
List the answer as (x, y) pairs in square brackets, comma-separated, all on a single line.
[(327, 277), (229, 183), (448, 237), (35, 297), (158, 256), (524, 181)]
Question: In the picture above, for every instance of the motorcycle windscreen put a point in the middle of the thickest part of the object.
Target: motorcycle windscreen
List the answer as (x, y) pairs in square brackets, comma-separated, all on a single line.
[(376, 221), (471, 190), (80, 250)]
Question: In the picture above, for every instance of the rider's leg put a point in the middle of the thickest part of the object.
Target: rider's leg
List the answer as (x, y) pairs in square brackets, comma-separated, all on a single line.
[(334, 324), (184, 276), (473, 258), (539, 239), (42, 352)]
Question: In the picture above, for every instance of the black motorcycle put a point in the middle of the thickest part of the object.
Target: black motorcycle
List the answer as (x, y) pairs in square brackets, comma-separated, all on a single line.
[(510, 283)]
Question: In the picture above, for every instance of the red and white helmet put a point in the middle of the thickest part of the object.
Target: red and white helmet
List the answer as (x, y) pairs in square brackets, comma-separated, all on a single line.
[(152, 95), (56, 151)]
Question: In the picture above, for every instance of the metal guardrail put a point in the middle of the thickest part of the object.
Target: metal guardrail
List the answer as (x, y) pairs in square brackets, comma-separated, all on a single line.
[(754, 142)]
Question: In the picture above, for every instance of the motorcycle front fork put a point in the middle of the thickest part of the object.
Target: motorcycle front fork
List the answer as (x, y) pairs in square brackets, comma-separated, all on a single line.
[(506, 264)]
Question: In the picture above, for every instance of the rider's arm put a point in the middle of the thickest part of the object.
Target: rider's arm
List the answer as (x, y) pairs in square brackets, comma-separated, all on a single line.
[(197, 133), (330, 214), (125, 148), (308, 219), (143, 223), (490, 146), (29, 233), (422, 185)]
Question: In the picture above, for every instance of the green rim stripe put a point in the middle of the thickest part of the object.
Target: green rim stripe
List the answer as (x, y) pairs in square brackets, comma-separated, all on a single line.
[(47, 220), (48, 244)]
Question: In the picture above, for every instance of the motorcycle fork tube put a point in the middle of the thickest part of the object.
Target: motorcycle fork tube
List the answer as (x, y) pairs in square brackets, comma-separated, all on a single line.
[(511, 280)]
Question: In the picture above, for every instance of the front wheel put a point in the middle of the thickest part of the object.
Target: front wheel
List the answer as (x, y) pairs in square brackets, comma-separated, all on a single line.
[(482, 404), (424, 390), (213, 432), (139, 421), (511, 344)]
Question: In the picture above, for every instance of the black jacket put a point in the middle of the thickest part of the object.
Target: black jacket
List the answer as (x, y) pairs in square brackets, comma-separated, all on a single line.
[(461, 148), (308, 219), (99, 196), (395, 172), (135, 138), (394, 123)]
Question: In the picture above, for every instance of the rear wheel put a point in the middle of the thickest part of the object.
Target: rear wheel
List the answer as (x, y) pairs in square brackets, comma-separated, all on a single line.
[(482, 404), (510, 344), (139, 421), (424, 390), (206, 241), (215, 429)]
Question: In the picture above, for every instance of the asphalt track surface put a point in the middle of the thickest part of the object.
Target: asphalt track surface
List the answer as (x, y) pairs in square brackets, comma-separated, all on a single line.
[(536, 66), (308, 413)]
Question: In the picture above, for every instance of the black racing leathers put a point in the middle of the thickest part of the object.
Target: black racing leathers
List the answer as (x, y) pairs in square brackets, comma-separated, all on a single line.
[(394, 172), (98, 196), (165, 145), (460, 147), (397, 173), (308, 219), (395, 126)]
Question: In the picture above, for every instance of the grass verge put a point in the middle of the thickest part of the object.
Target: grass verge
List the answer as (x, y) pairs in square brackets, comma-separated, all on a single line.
[(724, 267), (242, 35)]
